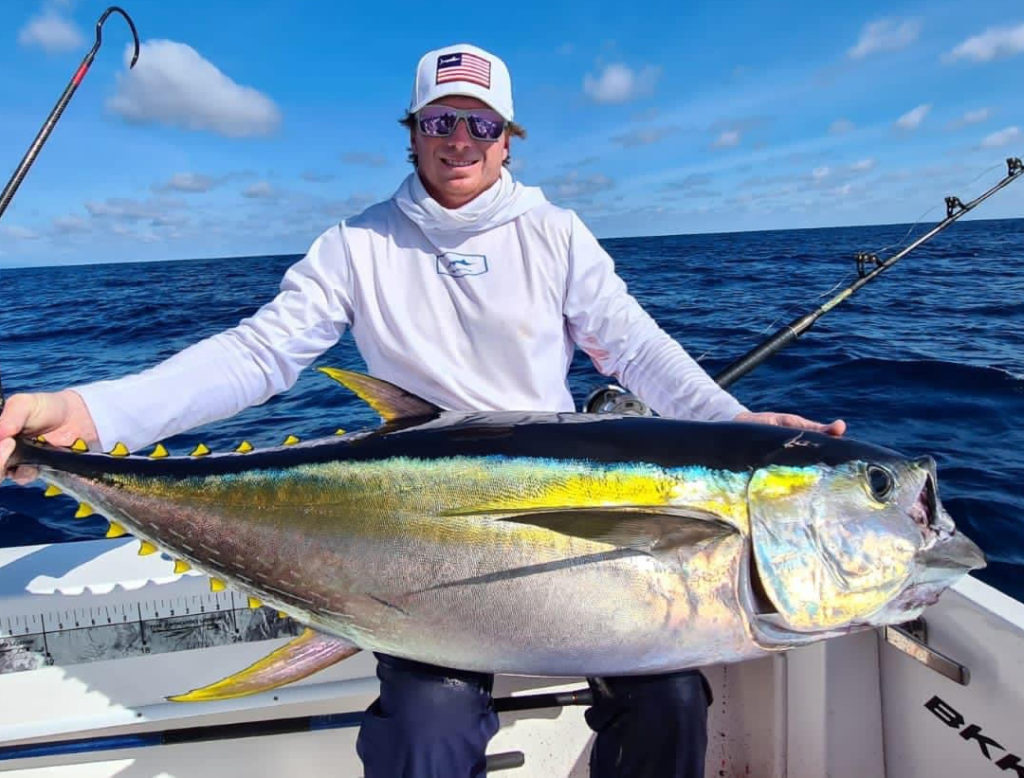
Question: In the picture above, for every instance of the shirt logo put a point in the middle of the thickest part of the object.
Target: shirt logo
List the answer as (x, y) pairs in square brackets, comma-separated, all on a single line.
[(463, 67), (459, 265)]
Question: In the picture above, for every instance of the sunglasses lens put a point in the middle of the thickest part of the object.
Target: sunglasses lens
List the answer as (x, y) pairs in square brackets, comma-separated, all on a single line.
[(437, 122), (485, 126)]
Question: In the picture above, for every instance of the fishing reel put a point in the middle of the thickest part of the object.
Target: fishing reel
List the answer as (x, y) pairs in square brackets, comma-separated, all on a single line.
[(615, 399)]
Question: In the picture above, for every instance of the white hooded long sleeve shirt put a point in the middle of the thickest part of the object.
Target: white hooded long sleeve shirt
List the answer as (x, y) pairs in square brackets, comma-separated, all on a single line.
[(478, 308)]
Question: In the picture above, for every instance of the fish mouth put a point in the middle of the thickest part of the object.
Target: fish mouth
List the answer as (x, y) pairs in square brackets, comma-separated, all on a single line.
[(925, 510)]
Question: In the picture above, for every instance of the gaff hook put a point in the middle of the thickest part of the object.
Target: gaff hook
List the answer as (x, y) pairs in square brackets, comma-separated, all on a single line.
[(58, 109)]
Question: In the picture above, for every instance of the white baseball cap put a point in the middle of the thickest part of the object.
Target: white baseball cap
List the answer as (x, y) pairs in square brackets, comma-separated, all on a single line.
[(466, 70)]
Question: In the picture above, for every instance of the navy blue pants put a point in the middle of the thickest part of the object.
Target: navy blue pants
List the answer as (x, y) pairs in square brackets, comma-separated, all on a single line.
[(435, 722)]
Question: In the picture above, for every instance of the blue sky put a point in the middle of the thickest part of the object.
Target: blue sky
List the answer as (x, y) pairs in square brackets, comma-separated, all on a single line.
[(248, 129)]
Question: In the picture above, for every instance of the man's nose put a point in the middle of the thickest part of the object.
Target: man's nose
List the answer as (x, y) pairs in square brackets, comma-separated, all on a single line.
[(460, 134)]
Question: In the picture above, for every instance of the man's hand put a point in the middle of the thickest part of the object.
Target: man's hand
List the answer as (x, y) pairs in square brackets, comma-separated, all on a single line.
[(835, 428), (61, 417)]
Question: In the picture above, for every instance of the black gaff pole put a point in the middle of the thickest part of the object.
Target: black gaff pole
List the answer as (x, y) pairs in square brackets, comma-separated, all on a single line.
[(58, 109), (786, 335)]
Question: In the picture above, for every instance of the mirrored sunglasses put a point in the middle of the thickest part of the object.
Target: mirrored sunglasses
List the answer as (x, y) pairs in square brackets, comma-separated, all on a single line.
[(438, 121)]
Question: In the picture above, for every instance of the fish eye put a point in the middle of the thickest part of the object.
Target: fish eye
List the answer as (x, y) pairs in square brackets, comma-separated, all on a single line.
[(881, 482)]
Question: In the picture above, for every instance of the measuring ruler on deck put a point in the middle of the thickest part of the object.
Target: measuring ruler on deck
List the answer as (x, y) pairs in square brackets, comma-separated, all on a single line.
[(37, 630)]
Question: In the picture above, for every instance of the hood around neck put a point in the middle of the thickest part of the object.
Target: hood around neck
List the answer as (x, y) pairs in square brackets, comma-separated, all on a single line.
[(447, 227)]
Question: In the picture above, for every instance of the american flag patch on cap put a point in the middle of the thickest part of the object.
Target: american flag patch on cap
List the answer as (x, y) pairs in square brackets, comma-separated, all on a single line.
[(463, 66)]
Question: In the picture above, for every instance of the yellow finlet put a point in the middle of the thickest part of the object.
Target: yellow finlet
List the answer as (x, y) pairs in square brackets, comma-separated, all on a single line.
[(146, 548), (52, 491), (282, 615), (244, 447), (115, 530), (120, 450), (217, 585), (255, 603), (84, 511), (339, 431), (40, 438), (200, 451), (291, 440), (159, 452), (181, 566), (80, 446)]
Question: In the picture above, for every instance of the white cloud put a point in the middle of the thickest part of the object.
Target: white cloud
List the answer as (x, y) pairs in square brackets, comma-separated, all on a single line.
[(727, 139), (643, 136), (121, 208), (189, 182), (820, 173), (975, 117), (993, 43), (69, 224), (619, 83), (840, 127), (127, 209), (885, 35), (1001, 138), (18, 233), (912, 119), (862, 165), (573, 186), (317, 177), (172, 84), (364, 158), (51, 32), (261, 189)]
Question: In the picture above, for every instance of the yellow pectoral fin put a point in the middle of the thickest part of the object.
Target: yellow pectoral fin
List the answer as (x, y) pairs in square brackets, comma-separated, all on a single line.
[(303, 656)]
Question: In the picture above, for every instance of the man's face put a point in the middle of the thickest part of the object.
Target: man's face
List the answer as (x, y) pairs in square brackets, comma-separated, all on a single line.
[(458, 168)]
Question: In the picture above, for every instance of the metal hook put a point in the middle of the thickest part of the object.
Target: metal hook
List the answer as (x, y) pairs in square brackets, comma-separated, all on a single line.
[(99, 32)]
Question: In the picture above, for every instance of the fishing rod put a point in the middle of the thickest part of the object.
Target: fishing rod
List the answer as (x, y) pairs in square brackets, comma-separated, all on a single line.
[(280, 726), (955, 208), (58, 109)]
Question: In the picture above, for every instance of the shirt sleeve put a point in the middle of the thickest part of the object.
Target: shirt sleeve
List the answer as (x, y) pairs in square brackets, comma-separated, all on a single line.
[(246, 365), (625, 342)]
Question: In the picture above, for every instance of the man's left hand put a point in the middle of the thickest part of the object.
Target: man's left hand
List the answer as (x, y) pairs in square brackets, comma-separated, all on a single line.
[(835, 428)]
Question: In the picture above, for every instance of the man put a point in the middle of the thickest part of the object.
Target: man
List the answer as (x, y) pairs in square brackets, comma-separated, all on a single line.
[(470, 290)]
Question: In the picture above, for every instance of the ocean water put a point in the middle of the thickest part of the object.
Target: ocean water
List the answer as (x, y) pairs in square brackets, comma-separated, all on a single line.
[(929, 359)]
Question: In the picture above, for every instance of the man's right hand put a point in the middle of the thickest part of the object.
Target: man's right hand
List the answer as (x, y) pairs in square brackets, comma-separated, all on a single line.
[(61, 417)]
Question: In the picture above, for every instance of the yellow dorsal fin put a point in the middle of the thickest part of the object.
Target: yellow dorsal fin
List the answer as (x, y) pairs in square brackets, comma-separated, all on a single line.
[(181, 566), (84, 511), (217, 585), (146, 548), (158, 452), (390, 401), (291, 440), (115, 530), (52, 491), (244, 447), (120, 450), (79, 445), (255, 603), (200, 451)]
